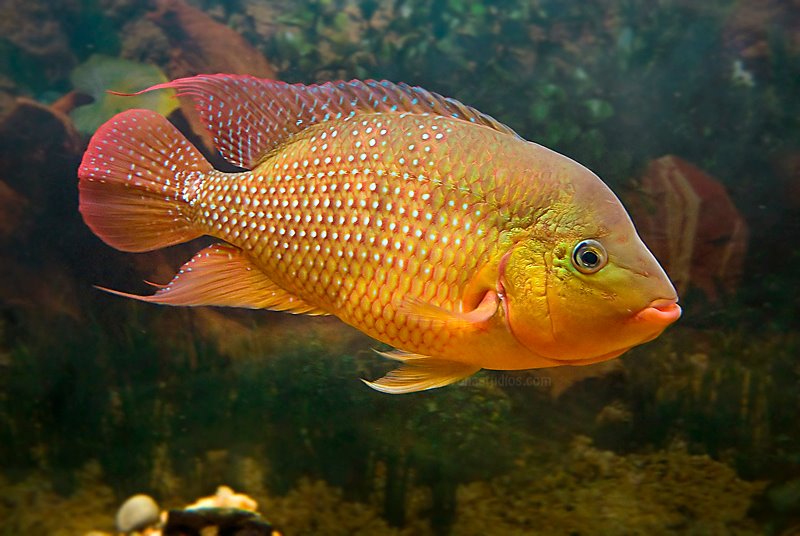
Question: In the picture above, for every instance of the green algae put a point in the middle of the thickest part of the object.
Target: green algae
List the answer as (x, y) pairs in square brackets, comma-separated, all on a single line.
[(101, 74)]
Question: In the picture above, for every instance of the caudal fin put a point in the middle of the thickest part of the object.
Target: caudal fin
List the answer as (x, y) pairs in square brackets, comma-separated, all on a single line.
[(136, 179)]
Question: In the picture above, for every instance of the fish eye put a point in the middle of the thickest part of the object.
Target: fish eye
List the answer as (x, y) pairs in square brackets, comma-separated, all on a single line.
[(589, 256)]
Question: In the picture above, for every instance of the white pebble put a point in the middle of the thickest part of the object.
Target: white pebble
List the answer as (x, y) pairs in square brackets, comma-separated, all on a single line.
[(136, 513)]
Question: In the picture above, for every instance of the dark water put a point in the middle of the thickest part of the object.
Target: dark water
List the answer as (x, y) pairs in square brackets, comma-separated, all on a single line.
[(694, 433)]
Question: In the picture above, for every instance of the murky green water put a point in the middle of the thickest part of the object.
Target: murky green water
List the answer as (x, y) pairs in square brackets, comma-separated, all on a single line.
[(690, 112)]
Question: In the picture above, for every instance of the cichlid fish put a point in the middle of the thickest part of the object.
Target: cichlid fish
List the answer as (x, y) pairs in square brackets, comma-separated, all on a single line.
[(418, 220)]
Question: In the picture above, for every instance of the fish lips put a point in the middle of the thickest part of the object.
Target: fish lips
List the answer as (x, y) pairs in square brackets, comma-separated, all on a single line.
[(660, 312)]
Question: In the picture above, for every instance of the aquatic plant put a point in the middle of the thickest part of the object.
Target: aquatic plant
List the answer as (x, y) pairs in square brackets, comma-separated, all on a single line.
[(91, 506), (582, 489), (101, 74), (327, 426), (723, 393), (57, 402)]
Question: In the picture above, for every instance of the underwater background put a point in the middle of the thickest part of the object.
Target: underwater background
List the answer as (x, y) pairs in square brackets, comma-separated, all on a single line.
[(690, 111)]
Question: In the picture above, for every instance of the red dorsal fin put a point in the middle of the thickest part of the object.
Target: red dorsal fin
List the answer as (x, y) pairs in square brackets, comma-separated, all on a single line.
[(222, 275), (248, 117)]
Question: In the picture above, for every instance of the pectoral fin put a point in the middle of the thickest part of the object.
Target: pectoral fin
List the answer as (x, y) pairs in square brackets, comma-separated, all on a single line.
[(475, 318), (419, 373), (223, 275)]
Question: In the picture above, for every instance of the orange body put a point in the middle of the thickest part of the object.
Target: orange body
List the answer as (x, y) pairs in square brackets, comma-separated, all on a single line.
[(427, 225), (356, 216)]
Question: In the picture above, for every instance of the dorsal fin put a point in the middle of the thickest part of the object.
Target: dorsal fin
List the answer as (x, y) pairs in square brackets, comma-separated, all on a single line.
[(248, 117)]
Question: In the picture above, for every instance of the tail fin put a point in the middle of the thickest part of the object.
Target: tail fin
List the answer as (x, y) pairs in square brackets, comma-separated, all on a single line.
[(136, 180)]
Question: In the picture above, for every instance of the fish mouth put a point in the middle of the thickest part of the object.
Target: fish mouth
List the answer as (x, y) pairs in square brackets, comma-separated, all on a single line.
[(662, 311)]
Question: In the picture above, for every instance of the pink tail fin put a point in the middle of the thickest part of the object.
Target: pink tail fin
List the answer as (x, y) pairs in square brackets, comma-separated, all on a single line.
[(136, 179)]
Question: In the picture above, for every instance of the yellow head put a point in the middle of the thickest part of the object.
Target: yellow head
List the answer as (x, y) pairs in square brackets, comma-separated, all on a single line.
[(581, 286)]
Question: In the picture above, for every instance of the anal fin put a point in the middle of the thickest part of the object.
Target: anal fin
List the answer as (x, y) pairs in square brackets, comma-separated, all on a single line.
[(222, 275), (419, 373)]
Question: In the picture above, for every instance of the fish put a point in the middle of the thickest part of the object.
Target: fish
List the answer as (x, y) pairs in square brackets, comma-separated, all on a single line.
[(412, 217)]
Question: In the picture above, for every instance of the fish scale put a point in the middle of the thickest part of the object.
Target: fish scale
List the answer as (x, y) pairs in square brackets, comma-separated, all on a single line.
[(420, 221), (355, 216)]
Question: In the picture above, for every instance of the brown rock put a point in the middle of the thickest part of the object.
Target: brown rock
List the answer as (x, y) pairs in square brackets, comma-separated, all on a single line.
[(68, 102), (39, 151), (36, 30), (203, 45), (787, 169), (751, 25), (35, 142), (145, 42), (12, 212), (690, 223)]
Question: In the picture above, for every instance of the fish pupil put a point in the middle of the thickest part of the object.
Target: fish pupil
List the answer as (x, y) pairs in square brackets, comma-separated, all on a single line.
[(590, 258)]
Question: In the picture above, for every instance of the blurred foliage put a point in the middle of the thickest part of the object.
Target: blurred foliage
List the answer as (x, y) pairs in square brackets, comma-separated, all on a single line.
[(589, 72), (97, 393), (88, 393)]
